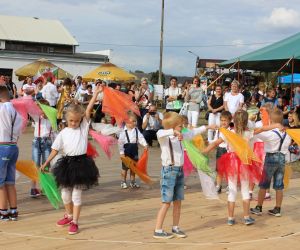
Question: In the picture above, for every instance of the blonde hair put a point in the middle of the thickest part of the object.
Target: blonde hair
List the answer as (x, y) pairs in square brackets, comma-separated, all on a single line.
[(171, 120), (75, 109), (240, 121), (236, 82), (131, 116), (276, 116), (295, 119)]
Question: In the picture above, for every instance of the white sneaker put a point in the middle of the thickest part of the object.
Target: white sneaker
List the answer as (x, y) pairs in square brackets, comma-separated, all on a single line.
[(124, 185)]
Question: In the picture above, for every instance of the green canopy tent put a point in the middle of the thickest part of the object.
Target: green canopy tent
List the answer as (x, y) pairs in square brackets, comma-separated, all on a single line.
[(271, 58)]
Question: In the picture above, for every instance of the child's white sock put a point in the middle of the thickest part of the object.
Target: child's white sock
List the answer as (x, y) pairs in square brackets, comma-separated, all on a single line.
[(267, 194), (70, 216), (246, 217), (230, 218), (175, 228), (158, 230)]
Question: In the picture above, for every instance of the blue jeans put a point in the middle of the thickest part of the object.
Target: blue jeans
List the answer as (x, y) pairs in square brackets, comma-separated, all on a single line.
[(172, 184), (273, 167), (41, 149), (8, 159)]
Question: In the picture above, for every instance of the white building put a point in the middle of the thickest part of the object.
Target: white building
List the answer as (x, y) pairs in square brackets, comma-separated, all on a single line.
[(26, 39)]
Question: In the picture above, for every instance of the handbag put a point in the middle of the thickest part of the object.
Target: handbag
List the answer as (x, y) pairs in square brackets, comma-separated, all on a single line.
[(177, 104), (184, 109)]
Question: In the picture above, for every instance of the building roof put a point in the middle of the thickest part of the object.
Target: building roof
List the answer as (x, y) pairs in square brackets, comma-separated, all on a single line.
[(31, 29)]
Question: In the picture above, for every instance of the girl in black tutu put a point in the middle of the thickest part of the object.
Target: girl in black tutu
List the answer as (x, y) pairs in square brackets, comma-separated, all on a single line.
[(75, 171)]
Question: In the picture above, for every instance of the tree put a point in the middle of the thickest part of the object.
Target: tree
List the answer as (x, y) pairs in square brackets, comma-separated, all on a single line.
[(139, 72), (154, 77)]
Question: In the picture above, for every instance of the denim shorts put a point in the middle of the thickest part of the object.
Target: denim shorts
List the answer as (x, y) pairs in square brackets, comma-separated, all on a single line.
[(8, 158), (41, 149), (273, 168), (171, 184)]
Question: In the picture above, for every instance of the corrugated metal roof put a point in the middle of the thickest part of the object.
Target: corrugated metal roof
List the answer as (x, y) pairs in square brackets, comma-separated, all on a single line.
[(30, 29)]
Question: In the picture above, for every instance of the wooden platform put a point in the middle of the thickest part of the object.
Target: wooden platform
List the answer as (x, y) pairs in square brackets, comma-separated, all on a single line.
[(124, 219)]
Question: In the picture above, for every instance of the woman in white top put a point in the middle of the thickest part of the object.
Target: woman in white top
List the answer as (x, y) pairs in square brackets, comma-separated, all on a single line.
[(173, 96), (28, 88), (234, 100)]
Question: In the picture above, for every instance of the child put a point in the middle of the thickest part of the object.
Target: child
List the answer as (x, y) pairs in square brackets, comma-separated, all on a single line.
[(276, 144), (75, 171), (128, 142), (10, 130), (41, 144), (238, 170), (225, 120), (172, 177), (258, 144)]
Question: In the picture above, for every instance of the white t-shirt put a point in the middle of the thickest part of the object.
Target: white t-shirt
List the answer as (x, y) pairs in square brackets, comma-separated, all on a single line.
[(153, 123), (28, 89), (80, 94), (233, 102), (42, 127), (163, 136), (50, 93), (132, 133), (73, 141), (172, 92), (272, 141), (7, 114), (217, 136)]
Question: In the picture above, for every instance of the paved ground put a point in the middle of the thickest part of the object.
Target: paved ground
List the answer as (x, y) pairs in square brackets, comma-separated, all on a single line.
[(124, 219)]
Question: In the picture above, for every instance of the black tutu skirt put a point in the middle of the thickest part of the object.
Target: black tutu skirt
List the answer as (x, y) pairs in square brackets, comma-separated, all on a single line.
[(78, 171)]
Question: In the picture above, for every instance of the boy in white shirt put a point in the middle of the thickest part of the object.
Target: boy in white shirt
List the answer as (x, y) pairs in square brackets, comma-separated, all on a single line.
[(172, 177), (276, 145), (10, 130), (41, 144), (128, 142), (225, 120)]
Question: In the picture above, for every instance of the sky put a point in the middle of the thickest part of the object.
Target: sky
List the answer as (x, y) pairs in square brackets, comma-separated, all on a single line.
[(131, 28)]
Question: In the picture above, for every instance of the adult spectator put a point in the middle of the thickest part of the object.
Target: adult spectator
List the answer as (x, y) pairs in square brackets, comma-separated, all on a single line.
[(271, 98), (2, 80), (12, 88), (39, 89), (28, 88), (247, 95), (194, 96), (79, 82), (233, 100), (98, 105), (297, 97), (151, 124), (143, 100), (173, 96), (73, 90), (50, 93), (215, 107), (81, 92), (131, 87)]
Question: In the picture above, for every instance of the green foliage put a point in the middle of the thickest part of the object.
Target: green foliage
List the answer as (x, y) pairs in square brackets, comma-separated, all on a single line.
[(154, 77)]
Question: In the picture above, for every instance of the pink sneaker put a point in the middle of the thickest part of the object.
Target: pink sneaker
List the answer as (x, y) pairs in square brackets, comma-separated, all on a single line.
[(73, 228), (64, 221)]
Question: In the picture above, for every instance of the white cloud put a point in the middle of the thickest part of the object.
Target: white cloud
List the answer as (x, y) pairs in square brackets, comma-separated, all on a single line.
[(238, 43), (283, 18), (148, 20)]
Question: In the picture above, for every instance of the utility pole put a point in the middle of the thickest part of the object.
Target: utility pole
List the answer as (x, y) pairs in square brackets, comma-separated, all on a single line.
[(197, 60), (161, 42)]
